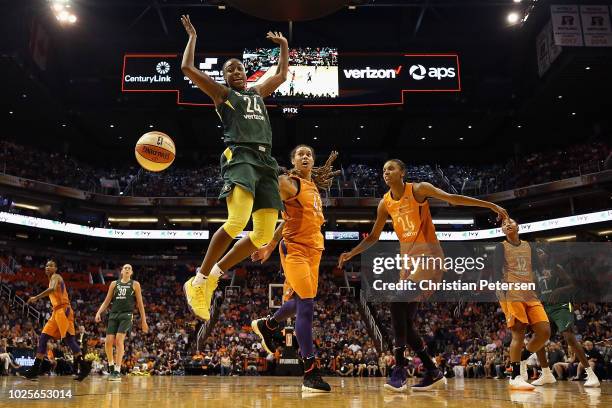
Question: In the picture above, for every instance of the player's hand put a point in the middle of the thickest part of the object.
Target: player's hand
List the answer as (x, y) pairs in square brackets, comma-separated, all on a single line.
[(145, 326), (32, 300), (188, 26), (98, 319), (263, 253), (276, 37), (502, 214), (344, 257)]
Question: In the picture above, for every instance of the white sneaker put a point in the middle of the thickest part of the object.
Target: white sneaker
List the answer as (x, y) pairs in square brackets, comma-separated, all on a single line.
[(524, 374), (545, 378), (592, 380), (519, 384)]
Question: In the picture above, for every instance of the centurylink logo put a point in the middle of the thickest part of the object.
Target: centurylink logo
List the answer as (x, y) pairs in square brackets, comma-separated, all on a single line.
[(372, 73), (162, 68), (419, 72)]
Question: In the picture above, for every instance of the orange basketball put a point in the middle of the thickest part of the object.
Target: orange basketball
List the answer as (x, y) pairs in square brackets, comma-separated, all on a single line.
[(155, 151)]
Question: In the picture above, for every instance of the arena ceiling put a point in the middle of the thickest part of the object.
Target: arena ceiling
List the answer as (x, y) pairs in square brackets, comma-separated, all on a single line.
[(73, 102)]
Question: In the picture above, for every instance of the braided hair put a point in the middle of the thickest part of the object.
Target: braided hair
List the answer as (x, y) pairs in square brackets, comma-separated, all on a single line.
[(323, 176)]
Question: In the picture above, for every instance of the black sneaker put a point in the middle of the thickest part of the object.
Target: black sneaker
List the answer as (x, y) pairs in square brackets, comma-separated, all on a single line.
[(312, 378), (430, 381), (30, 375), (265, 333), (84, 370)]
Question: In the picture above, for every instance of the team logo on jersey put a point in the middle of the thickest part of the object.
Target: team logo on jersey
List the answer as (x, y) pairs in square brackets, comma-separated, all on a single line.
[(226, 188)]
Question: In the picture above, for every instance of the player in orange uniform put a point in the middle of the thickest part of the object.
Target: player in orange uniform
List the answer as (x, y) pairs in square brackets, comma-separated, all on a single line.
[(300, 251), (59, 326), (515, 262), (407, 205)]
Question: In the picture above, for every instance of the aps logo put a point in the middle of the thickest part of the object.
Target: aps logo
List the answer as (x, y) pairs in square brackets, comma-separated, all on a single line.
[(419, 72)]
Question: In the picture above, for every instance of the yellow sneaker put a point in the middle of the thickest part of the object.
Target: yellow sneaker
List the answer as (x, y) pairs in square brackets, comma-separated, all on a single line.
[(209, 291), (196, 299)]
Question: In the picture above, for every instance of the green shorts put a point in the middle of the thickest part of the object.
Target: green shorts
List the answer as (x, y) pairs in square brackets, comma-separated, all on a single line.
[(255, 171), (561, 317), (119, 322)]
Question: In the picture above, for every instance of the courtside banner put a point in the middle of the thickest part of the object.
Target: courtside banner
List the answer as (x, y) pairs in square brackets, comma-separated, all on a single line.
[(552, 273)]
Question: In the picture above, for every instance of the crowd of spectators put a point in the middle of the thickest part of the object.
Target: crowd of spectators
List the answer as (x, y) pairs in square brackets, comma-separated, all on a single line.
[(362, 180)]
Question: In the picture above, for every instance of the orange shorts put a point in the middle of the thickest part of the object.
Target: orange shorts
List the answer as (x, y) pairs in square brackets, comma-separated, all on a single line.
[(526, 312), (60, 323), (301, 268)]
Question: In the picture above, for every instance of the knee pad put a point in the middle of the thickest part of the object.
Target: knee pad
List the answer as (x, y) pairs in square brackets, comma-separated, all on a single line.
[(239, 206), (264, 223)]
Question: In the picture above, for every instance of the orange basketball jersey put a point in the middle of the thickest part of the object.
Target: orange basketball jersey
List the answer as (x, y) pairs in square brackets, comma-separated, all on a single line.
[(59, 297), (303, 216), (411, 220), (518, 268)]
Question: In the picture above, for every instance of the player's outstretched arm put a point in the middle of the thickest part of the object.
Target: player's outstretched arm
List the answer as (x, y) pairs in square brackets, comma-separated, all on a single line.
[(270, 84), (371, 239), (141, 309), (107, 300), (217, 92), (55, 279), (423, 191)]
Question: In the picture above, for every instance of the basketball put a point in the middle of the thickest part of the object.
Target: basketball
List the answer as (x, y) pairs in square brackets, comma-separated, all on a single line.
[(155, 151)]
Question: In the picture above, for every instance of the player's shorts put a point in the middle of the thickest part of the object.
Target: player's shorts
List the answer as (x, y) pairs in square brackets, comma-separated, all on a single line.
[(60, 323), (526, 312), (301, 268), (561, 316), (119, 322), (256, 171)]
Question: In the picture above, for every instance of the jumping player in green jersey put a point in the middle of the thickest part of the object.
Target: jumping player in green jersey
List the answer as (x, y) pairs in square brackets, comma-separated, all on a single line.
[(556, 286), (123, 293), (249, 171)]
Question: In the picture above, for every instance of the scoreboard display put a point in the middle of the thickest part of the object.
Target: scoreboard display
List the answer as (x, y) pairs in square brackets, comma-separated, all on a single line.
[(317, 77)]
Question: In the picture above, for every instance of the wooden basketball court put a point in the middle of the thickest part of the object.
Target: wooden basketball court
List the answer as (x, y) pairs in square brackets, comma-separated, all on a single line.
[(238, 392)]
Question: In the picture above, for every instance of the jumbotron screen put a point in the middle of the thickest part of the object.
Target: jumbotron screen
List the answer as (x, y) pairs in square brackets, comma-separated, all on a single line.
[(313, 71)]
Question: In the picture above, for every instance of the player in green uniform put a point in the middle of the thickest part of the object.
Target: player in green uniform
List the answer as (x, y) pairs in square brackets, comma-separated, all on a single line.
[(556, 286), (249, 171), (123, 293)]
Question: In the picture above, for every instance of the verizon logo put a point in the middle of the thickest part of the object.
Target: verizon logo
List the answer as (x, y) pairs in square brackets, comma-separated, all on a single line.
[(372, 73)]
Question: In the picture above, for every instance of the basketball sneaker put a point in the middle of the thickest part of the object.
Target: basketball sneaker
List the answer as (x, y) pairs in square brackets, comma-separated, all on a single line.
[(115, 376), (30, 374), (84, 369), (431, 380), (265, 333), (397, 381), (591, 380), (518, 383), (312, 378), (196, 298), (545, 378)]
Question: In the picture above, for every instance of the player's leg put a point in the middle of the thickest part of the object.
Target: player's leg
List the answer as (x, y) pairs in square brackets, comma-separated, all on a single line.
[(546, 377), (397, 380), (50, 331), (119, 351), (433, 376), (518, 355), (266, 327), (570, 338), (199, 289), (108, 348)]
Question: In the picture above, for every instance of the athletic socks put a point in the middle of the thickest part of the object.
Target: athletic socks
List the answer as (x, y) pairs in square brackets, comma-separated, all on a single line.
[(303, 326), (200, 278), (516, 369)]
